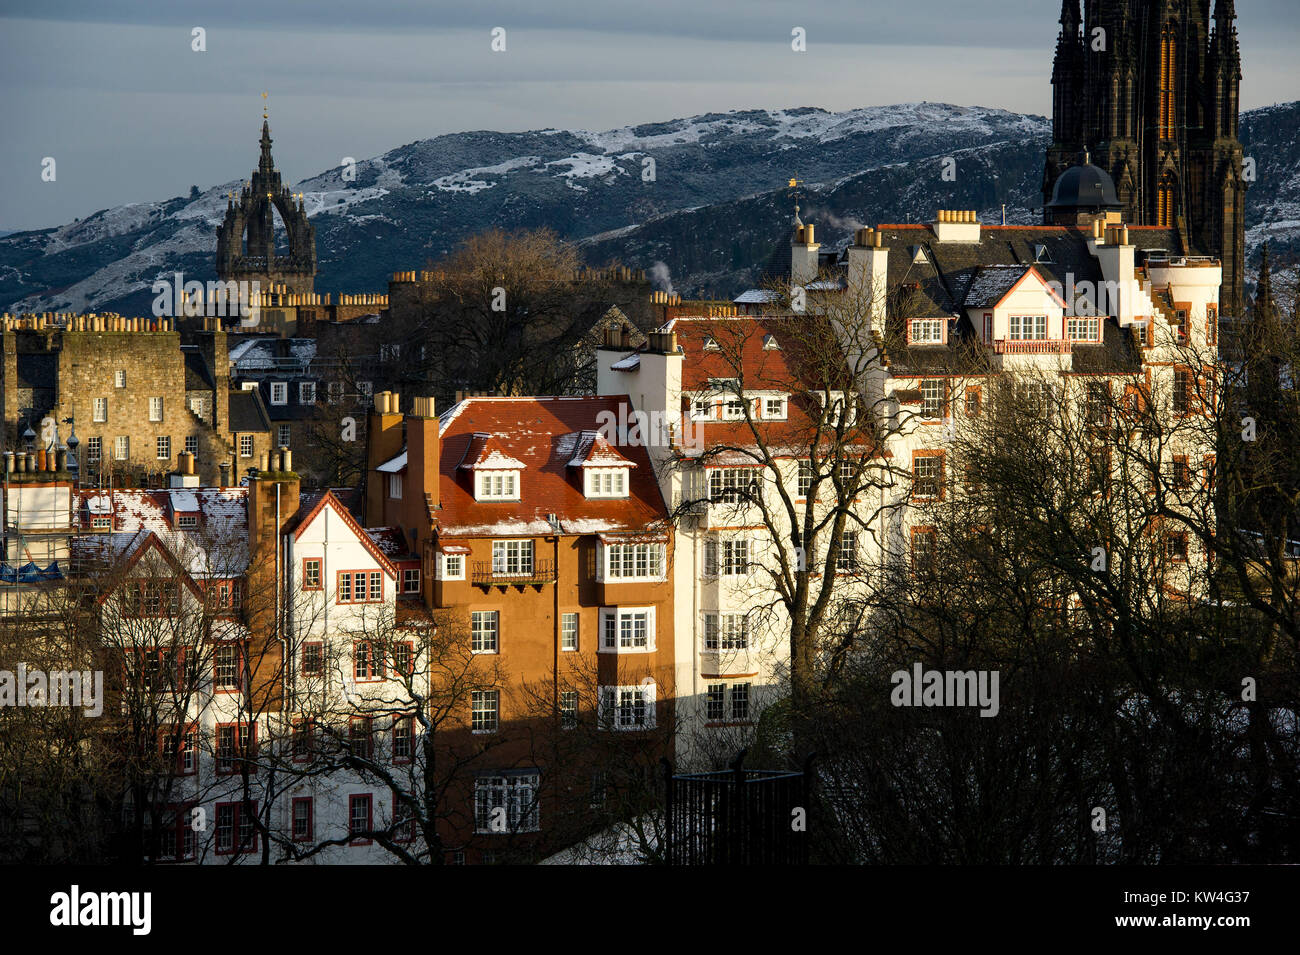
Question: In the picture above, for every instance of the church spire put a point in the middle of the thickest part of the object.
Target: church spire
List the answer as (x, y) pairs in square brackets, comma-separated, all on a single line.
[(265, 163)]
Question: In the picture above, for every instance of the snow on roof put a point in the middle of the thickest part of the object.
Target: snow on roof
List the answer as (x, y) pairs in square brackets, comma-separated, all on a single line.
[(184, 500), (484, 454), (991, 283), (542, 435), (630, 363), (755, 296), (390, 541), (217, 548), (393, 465), (593, 451)]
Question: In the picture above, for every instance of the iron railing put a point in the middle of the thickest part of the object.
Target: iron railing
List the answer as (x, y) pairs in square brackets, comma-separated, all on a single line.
[(539, 572), (738, 816)]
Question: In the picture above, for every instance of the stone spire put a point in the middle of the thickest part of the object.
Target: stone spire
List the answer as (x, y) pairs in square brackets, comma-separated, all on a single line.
[(265, 164)]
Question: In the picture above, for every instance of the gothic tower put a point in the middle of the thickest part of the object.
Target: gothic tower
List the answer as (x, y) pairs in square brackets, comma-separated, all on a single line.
[(1151, 90), (261, 198)]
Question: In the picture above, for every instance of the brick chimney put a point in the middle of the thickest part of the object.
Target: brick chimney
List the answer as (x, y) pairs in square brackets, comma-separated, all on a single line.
[(423, 456), (216, 355), (268, 513), (383, 442)]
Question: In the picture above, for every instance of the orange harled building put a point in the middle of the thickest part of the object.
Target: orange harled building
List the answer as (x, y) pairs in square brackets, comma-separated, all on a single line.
[(546, 549)]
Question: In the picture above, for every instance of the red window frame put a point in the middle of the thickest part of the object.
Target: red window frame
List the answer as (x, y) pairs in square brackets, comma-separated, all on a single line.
[(1173, 556), (369, 576), (409, 723), (374, 665), (133, 607), (191, 734), (316, 563), (366, 735), (974, 401), (933, 536), (301, 737), (988, 326), (245, 752), (1212, 324), (370, 818), (179, 832), (407, 589), (310, 803), (243, 672), (916, 456), (238, 809), (302, 663), (409, 668), (403, 829)]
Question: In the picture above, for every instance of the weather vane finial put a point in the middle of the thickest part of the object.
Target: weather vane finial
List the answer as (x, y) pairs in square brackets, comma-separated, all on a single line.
[(264, 94), (795, 184)]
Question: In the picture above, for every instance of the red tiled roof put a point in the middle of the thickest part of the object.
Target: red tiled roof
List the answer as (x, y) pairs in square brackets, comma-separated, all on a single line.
[(543, 434), (806, 359)]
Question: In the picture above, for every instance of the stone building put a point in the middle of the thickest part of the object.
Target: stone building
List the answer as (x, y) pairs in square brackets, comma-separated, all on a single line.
[(1152, 89), (135, 395)]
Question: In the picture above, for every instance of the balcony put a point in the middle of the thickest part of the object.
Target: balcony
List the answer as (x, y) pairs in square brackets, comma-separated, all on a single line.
[(540, 572), (1033, 346)]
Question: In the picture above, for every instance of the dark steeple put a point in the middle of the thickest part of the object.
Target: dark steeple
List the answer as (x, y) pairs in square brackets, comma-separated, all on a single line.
[(246, 241), (1153, 91)]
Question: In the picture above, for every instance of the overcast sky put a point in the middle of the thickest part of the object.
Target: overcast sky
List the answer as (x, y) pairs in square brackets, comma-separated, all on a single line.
[(113, 91)]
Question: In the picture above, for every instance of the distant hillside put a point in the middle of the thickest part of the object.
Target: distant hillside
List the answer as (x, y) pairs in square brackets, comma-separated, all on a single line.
[(714, 215)]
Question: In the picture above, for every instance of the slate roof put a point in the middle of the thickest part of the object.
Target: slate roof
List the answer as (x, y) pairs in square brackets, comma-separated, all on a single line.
[(247, 413), (198, 376)]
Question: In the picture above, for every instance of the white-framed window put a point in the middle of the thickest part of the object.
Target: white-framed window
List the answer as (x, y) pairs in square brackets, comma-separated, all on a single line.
[(507, 803), (279, 392), (732, 484), (395, 486), (733, 408), (726, 631), (925, 331), (627, 629), (155, 409), (410, 580), (119, 379), (1083, 329), (728, 557), (568, 709), (927, 475), (932, 398), (121, 448), (711, 345), (805, 477), (702, 409), (248, 386), (627, 708), (306, 392), (640, 561), (497, 485), (1028, 327), (365, 389), (283, 433), (164, 447), (99, 410), (94, 449), (187, 522), (485, 710), (834, 403), (846, 560), (192, 444), (201, 405), (569, 631), (774, 409), (717, 698), (101, 523), (245, 445), (770, 343), (512, 558), (334, 392), (606, 482), (485, 631), (453, 566)]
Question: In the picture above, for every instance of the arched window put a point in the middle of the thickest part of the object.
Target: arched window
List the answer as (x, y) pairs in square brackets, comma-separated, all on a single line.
[(1165, 204), (1168, 65)]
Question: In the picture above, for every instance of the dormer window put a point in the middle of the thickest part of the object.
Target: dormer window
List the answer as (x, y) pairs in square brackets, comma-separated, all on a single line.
[(496, 486), (606, 482), (925, 331), (711, 345), (774, 409), (187, 522), (770, 343), (702, 409)]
